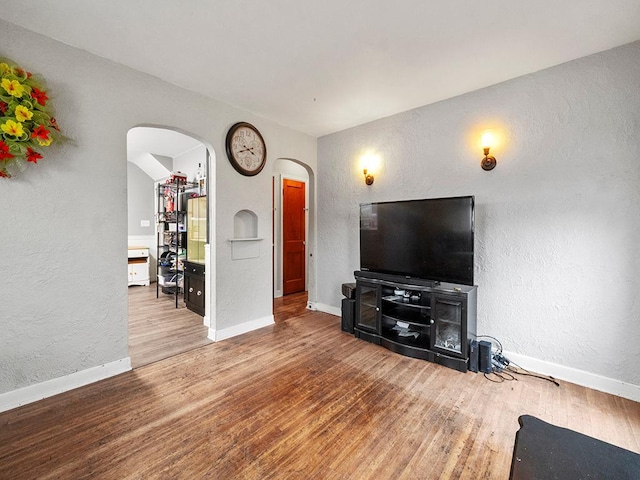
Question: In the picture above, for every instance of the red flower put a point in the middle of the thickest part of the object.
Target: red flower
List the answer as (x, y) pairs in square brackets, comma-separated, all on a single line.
[(39, 96), (40, 132), (32, 155), (3, 173), (4, 151), (3, 107)]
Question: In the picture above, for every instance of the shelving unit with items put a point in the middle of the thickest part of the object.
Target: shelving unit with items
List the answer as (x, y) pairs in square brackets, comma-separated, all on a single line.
[(171, 235)]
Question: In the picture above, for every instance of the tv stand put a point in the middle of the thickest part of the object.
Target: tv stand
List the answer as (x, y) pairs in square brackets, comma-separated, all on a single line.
[(419, 318)]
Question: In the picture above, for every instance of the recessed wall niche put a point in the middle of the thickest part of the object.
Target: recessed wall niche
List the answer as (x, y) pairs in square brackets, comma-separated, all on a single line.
[(245, 224), (245, 242)]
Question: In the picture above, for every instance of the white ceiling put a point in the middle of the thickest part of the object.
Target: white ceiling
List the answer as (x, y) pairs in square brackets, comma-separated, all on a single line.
[(320, 66), (145, 142)]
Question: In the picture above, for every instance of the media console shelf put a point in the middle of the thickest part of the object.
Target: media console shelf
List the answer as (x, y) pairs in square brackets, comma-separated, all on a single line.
[(417, 318)]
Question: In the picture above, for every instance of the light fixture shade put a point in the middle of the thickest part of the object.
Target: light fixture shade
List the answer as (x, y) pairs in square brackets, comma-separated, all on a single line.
[(487, 140)]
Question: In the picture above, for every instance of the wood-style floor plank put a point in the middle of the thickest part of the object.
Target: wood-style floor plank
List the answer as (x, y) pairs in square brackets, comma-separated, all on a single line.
[(159, 330), (296, 400), (289, 306)]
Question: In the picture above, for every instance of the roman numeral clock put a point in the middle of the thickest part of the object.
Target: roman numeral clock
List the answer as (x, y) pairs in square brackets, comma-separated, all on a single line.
[(246, 149)]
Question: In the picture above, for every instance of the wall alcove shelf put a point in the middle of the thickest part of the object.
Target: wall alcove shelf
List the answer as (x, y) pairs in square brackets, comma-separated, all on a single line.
[(245, 248), (245, 242)]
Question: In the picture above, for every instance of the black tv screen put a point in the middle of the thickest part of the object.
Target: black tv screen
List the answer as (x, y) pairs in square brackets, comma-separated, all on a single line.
[(429, 239)]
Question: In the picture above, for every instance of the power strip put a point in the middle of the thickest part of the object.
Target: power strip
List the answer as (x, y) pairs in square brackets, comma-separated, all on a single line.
[(499, 362)]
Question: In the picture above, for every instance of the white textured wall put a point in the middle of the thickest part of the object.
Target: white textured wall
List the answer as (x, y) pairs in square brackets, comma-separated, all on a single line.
[(188, 161), (557, 221), (240, 284), (140, 201), (64, 235)]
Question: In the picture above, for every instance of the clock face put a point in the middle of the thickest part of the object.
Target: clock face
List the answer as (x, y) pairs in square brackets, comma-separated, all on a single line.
[(246, 149)]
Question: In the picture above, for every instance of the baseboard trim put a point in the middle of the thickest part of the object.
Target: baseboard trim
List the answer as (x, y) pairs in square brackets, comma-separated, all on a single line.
[(322, 307), (579, 377), (49, 388), (217, 335)]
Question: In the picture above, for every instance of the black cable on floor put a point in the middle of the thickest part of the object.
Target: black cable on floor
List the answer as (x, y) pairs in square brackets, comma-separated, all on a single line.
[(527, 373)]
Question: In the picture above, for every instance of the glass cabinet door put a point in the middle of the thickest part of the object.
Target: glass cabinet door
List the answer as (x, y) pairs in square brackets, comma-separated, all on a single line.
[(196, 229), (367, 307), (447, 329)]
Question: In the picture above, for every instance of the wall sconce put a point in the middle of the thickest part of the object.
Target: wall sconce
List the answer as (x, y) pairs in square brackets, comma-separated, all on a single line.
[(369, 164), (489, 161), (368, 177)]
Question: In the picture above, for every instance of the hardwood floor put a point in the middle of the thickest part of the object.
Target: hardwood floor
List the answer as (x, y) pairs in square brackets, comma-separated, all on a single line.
[(289, 306), (159, 330), (296, 400)]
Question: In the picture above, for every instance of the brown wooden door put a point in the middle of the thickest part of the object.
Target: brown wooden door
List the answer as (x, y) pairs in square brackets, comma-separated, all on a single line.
[(293, 236)]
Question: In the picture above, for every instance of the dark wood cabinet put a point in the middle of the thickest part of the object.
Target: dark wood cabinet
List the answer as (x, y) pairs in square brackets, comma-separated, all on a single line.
[(416, 318), (194, 287)]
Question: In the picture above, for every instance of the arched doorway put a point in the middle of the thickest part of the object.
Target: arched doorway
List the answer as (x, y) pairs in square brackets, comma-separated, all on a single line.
[(288, 171), (159, 326)]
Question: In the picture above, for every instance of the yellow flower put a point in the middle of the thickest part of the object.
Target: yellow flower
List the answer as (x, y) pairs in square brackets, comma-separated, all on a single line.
[(12, 128), (12, 87), (4, 68), (23, 113), (44, 143)]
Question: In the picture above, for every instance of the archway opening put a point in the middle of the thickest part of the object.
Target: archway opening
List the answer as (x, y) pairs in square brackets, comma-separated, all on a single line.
[(287, 171), (160, 323)]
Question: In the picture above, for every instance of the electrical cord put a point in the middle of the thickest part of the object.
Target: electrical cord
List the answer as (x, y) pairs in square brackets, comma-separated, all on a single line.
[(507, 376), (501, 375), (487, 376), (527, 373), (504, 369)]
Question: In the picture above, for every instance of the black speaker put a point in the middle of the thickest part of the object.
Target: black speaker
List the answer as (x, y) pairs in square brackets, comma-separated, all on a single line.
[(484, 356), (349, 290), (473, 356), (348, 314)]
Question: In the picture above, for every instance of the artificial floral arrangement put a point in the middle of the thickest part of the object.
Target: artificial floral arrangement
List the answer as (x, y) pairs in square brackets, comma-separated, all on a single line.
[(27, 125)]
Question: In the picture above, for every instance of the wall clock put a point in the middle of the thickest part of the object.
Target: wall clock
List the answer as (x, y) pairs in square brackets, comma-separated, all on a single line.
[(246, 149)]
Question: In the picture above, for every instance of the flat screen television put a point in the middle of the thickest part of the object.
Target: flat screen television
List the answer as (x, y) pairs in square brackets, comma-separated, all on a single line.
[(429, 239)]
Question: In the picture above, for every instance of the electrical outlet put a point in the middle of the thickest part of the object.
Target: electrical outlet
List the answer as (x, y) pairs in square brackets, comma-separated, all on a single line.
[(145, 223)]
